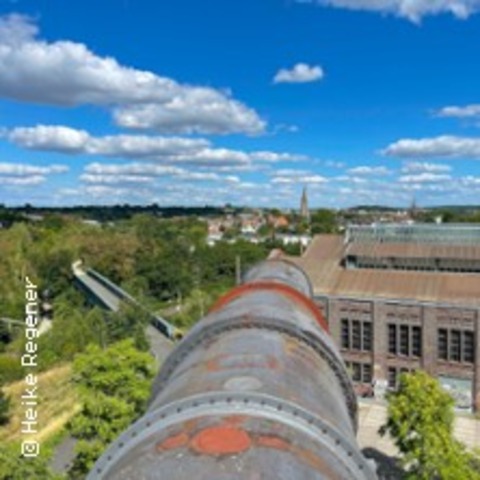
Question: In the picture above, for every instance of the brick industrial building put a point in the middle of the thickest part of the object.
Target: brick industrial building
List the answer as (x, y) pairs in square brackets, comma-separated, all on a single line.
[(400, 298)]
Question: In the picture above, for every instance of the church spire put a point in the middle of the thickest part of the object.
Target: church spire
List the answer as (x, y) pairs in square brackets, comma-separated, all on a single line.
[(304, 212)]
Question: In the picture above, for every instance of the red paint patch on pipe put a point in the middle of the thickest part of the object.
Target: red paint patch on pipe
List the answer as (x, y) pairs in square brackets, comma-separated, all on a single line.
[(175, 441), (273, 442), (221, 440), (283, 289)]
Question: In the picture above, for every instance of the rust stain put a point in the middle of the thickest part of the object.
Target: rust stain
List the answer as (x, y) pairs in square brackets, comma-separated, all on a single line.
[(213, 364), (314, 461), (291, 293), (231, 362), (273, 442), (190, 425), (175, 441), (235, 419), (221, 440)]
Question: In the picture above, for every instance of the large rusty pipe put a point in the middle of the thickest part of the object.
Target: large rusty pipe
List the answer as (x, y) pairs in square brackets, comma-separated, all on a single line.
[(256, 390)]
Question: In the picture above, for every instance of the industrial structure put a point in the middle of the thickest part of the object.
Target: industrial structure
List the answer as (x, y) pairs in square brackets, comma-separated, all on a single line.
[(256, 389), (104, 293), (401, 297)]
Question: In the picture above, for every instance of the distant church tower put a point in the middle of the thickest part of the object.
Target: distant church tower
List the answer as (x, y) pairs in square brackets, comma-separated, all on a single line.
[(304, 212), (413, 210)]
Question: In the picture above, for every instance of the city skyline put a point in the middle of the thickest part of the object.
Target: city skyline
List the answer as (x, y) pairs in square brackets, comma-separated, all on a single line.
[(188, 103)]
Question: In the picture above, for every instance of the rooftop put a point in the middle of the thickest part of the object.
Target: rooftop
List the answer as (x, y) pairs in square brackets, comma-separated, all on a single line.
[(446, 234), (322, 261)]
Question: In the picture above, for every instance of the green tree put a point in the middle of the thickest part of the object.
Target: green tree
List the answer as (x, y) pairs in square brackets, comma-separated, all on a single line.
[(115, 384), (129, 322), (120, 371), (323, 221), (14, 466), (420, 421)]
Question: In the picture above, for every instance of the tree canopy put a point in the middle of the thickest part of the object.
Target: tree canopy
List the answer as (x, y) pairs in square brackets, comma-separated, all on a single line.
[(115, 386), (420, 421)]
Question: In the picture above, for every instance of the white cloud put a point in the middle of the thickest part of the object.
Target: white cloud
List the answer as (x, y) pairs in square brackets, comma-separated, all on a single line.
[(416, 167), (50, 138), (425, 177), (173, 150), (274, 157), (62, 139), (114, 194), (437, 147), (300, 179), (114, 179), (66, 73), (300, 73), (140, 169), (198, 176), (286, 172), (368, 170), (23, 181), (413, 10), (197, 110), (22, 169), (467, 111), (146, 173), (25, 174)]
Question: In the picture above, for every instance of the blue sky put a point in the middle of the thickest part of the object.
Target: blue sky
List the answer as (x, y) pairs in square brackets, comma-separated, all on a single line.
[(191, 103)]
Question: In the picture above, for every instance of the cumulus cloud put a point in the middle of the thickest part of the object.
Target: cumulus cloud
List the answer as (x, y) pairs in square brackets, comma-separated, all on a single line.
[(300, 73), (467, 111), (146, 173), (413, 10), (299, 179), (369, 170), (23, 181), (135, 168), (66, 73), (114, 179), (173, 150), (425, 177), (57, 138), (50, 138), (22, 169), (437, 147), (416, 167), (195, 111), (26, 174)]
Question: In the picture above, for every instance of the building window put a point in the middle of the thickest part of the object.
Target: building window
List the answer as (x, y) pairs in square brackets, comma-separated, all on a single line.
[(360, 372), (367, 336), (404, 343), (345, 334), (356, 335), (416, 341), (404, 340), (455, 353), (392, 339), (394, 374), (456, 345), (443, 344), (468, 347)]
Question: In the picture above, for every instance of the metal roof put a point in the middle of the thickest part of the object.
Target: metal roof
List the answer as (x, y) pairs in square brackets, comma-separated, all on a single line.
[(415, 250), (322, 263)]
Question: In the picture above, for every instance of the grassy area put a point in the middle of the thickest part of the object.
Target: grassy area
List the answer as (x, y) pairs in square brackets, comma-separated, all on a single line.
[(58, 403)]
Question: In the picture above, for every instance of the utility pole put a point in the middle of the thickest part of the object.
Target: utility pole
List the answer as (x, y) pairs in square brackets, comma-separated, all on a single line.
[(238, 270)]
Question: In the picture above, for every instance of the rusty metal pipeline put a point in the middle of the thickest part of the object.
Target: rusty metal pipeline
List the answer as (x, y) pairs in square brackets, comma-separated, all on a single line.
[(256, 390)]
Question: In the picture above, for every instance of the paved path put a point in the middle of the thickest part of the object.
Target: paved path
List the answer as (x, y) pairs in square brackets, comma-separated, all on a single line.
[(373, 415)]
